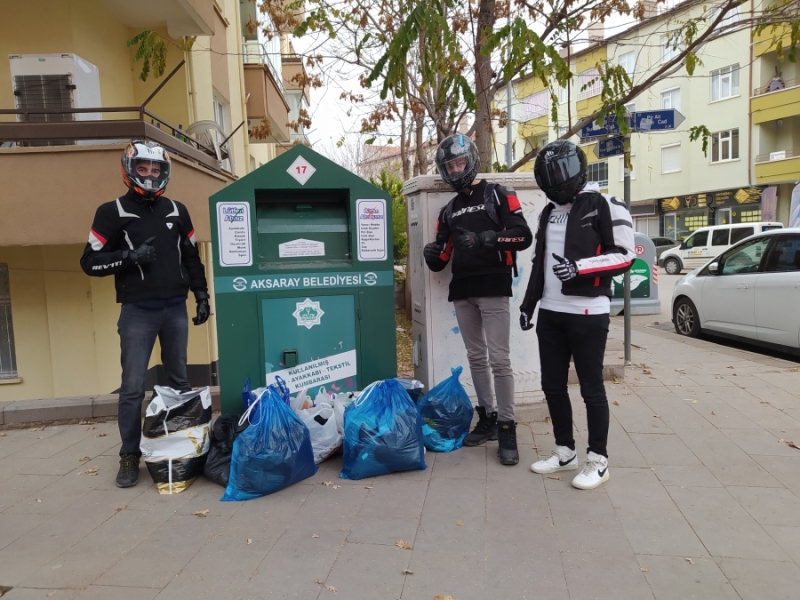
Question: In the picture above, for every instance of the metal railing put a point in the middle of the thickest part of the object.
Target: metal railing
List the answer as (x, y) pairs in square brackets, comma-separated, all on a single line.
[(778, 155), (770, 88), (255, 53)]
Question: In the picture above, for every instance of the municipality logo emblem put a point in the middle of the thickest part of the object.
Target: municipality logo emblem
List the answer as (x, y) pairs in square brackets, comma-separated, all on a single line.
[(370, 279), (308, 313), (239, 284)]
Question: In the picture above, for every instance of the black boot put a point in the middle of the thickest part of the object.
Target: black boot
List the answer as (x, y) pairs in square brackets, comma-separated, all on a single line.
[(486, 429), (128, 474), (507, 436)]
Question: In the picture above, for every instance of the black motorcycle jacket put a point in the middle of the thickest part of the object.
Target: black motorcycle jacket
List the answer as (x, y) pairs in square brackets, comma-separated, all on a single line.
[(123, 225), (487, 271), (599, 238)]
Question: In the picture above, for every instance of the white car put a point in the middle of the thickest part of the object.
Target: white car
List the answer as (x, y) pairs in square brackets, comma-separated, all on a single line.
[(751, 291)]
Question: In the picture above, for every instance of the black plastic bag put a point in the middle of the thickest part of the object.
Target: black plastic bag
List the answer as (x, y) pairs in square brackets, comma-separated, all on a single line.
[(218, 464)]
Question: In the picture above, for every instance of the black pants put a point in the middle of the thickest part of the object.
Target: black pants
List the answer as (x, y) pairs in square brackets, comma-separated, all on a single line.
[(582, 337)]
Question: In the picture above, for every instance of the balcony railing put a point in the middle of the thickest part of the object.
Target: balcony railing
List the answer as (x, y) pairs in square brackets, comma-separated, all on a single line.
[(145, 126), (771, 87), (778, 155), (255, 53)]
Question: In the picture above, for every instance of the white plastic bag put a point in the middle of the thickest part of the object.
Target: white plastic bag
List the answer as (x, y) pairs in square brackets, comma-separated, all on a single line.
[(322, 426), (300, 402), (338, 413), (322, 397)]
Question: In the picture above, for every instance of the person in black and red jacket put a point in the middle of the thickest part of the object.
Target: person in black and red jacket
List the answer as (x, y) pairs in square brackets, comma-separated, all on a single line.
[(146, 241), (480, 230), (584, 239)]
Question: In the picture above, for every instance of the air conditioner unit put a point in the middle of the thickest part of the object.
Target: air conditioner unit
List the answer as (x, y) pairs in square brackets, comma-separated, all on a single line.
[(55, 81)]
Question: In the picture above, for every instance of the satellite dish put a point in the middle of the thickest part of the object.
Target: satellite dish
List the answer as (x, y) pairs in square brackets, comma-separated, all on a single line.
[(210, 134)]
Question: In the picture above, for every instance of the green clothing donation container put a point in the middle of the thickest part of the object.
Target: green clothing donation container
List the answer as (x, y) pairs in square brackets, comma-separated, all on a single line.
[(303, 278)]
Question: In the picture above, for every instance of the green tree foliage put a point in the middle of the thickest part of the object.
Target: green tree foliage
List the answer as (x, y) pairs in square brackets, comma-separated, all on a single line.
[(392, 185)]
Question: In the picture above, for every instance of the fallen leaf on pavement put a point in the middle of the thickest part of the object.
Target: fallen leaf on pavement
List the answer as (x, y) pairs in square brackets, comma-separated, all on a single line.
[(38, 501), (90, 428), (657, 416), (407, 572), (713, 413), (556, 477), (84, 422), (51, 594), (91, 471), (200, 513), (781, 440), (315, 536), (318, 582), (101, 435), (403, 544), (249, 541), (647, 372), (331, 589), (2, 434), (643, 569), (38, 428), (616, 402), (367, 487), (122, 507), (327, 483), (459, 523), (84, 459), (694, 401), (448, 597), (336, 487), (793, 445), (689, 560)]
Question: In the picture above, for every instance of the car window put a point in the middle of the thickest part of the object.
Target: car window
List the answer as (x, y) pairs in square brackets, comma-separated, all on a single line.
[(785, 255), (739, 233), (698, 239), (719, 237), (745, 258)]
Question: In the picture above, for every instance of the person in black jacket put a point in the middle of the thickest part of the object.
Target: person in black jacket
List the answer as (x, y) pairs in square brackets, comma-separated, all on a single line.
[(583, 240), (481, 229), (147, 242)]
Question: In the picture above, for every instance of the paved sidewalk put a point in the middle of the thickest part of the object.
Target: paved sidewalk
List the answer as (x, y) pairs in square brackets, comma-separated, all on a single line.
[(702, 503)]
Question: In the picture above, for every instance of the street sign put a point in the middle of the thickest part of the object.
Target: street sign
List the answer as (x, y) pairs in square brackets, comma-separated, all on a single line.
[(657, 120), (612, 146), (592, 130)]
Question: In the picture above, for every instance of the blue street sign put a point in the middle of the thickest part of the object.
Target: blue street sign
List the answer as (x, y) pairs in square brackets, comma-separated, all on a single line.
[(657, 120), (609, 127), (612, 146)]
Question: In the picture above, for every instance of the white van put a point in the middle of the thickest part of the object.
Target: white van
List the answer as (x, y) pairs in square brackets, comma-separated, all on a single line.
[(707, 242)]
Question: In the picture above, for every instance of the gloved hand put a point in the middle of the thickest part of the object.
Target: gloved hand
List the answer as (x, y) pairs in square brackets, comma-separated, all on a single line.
[(566, 269), (471, 241), (432, 251), (525, 321), (203, 308), (144, 254)]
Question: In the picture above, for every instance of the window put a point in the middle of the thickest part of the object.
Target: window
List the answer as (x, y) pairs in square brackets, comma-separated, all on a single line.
[(745, 258), (751, 216), (698, 239), (648, 226), (719, 237), (739, 233), (785, 255), (622, 167), (671, 99), (725, 83), (725, 145), (598, 171), (536, 105), (630, 107), (589, 83), (671, 158), (8, 357), (730, 18), (562, 130), (562, 94), (628, 62), (669, 48)]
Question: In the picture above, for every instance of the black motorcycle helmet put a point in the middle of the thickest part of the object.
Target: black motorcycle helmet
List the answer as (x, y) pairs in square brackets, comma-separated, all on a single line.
[(457, 160), (560, 171)]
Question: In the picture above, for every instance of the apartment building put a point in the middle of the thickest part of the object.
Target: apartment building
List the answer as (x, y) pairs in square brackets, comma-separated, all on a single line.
[(70, 99), (676, 187)]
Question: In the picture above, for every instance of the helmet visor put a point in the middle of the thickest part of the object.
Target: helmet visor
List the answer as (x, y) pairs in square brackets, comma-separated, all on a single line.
[(560, 169), (151, 175), (455, 166)]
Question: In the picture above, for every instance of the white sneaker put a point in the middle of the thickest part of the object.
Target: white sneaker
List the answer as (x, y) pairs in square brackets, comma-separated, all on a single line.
[(562, 459), (595, 472)]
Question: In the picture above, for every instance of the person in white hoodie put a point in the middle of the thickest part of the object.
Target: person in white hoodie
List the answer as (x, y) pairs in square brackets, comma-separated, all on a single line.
[(584, 239)]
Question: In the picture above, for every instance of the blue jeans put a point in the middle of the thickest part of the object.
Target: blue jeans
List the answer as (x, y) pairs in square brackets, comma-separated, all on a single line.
[(138, 329)]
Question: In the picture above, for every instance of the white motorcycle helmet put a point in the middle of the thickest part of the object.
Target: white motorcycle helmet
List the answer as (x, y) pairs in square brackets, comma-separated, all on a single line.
[(146, 168)]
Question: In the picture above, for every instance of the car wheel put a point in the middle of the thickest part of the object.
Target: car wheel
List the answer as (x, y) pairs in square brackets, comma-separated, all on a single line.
[(672, 266), (685, 318)]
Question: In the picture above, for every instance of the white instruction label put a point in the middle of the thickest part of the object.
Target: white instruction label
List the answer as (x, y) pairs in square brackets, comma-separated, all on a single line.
[(301, 248), (233, 225), (317, 372), (371, 215)]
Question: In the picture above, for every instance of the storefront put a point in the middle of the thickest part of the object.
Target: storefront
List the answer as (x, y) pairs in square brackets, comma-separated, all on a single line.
[(646, 219), (683, 214)]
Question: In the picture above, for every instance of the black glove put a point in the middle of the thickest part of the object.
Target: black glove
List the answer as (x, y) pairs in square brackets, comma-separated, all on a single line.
[(144, 254), (203, 309), (471, 241), (525, 321), (432, 251), (566, 269)]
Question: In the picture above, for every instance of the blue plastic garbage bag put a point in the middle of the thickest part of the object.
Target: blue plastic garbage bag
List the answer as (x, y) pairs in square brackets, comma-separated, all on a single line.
[(382, 433), (412, 386), (272, 453), (447, 413)]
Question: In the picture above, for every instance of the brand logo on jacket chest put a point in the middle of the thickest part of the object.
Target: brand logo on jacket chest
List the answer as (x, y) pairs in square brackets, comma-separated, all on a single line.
[(467, 209), (169, 225)]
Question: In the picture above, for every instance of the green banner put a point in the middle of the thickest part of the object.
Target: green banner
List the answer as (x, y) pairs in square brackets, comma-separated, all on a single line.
[(640, 281), (301, 281)]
